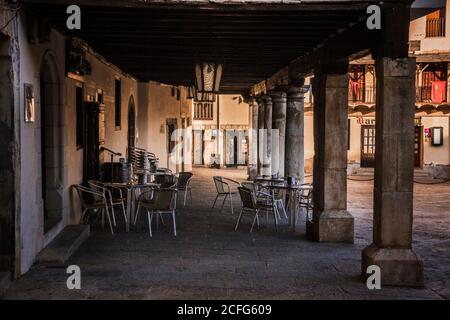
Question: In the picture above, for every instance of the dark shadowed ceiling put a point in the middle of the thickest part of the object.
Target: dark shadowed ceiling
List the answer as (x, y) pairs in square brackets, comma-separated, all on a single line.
[(163, 42)]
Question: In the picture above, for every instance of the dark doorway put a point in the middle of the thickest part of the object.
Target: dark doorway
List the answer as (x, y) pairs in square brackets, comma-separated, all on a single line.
[(171, 127), (131, 124), (367, 146), (418, 146), (91, 165), (235, 150), (8, 175)]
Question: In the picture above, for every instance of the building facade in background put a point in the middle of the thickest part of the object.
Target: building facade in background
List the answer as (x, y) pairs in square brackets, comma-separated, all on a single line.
[(430, 45)]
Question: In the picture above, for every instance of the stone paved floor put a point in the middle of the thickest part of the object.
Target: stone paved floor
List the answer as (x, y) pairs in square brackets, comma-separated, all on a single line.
[(210, 261)]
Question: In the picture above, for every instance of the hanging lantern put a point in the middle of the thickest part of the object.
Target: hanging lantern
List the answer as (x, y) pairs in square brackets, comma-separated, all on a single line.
[(208, 76)]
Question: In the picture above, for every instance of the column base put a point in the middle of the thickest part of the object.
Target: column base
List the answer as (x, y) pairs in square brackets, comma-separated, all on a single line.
[(332, 226), (399, 267)]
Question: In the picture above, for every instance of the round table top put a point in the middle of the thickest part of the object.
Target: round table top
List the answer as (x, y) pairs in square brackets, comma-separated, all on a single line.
[(292, 187)]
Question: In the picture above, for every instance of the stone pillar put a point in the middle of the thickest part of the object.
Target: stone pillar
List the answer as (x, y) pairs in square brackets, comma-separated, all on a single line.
[(391, 249), (295, 125), (267, 140), (279, 124), (331, 220), (253, 141), (260, 127)]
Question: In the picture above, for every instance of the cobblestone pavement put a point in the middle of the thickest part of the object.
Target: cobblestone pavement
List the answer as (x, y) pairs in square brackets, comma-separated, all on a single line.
[(208, 260)]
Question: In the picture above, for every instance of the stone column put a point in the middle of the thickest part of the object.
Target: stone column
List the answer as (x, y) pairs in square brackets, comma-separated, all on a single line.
[(267, 140), (253, 140), (295, 125), (278, 123), (391, 249), (260, 134), (331, 220)]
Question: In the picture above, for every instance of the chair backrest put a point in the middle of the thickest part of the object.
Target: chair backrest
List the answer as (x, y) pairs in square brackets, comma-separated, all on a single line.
[(85, 194), (166, 181), (183, 179), (247, 198), (164, 199), (249, 185), (97, 187), (220, 185)]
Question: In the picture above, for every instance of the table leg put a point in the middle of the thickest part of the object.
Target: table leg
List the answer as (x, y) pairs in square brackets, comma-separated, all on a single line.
[(293, 209), (133, 204), (127, 225)]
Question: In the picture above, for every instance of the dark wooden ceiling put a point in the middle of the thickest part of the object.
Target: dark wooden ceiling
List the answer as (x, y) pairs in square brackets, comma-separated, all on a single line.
[(163, 42)]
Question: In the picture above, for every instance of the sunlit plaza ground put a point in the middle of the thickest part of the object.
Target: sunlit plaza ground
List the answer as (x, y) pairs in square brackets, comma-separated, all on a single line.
[(208, 260)]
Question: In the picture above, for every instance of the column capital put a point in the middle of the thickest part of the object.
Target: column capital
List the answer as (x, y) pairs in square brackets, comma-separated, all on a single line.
[(296, 92), (266, 99), (278, 96)]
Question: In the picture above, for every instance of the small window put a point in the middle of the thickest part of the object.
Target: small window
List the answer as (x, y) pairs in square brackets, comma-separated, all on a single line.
[(203, 111), (118, 104), (80, 116)]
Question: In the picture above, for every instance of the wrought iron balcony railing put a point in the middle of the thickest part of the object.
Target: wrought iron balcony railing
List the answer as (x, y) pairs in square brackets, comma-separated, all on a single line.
[(364, 94)]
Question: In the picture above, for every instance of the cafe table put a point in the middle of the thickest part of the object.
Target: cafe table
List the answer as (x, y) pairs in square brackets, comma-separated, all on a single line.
[(292, 190), (131, 197)]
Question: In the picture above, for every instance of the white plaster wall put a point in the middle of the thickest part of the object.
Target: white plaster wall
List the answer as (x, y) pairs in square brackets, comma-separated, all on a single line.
[(233, 111), (417, 31), (31, 56), (158, 105), (31, 217), (436, 154)]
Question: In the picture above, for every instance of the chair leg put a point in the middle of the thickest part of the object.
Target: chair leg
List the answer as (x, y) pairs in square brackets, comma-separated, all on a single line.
[(162, 219), (239, 219), (212, 208), (174, 224), (157, 220), (150, 217), (113, 215), (275, 217), (124, 212), (284, 210), (231, 204), (102, 211), (82, 216), (109, 220), (184, 201), (254, 220), (137, 213), (223, 202)]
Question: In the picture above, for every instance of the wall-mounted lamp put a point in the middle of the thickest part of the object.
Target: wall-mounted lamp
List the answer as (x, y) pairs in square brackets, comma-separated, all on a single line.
[(437, 136)]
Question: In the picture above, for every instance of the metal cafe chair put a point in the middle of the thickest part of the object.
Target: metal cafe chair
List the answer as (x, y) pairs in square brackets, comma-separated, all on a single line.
[(250, 204), (183, 184), (166, 180), (93, 202), (158, 201), (114, 197), (305, 201), (223, 189)]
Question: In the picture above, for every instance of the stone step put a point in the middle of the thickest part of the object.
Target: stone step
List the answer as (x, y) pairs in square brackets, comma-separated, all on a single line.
[(64, 245), (5, 281)]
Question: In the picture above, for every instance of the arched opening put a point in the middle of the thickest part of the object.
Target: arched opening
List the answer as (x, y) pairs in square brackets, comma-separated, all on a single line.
[(51, 146), (131, 124)]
